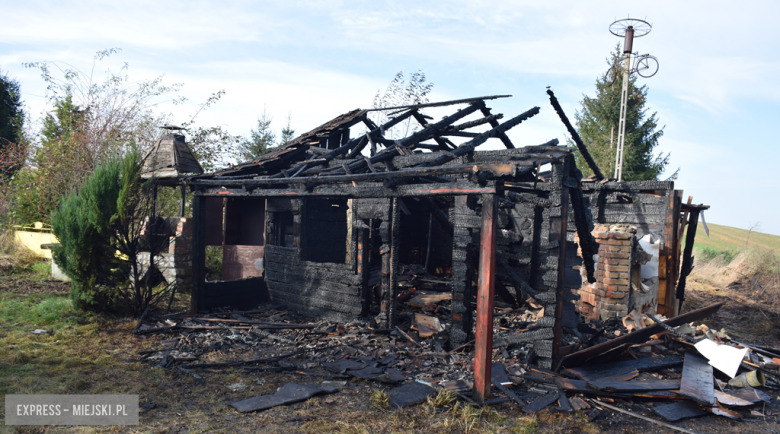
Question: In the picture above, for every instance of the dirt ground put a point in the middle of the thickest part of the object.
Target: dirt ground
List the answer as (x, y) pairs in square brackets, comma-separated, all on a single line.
[(99, 355)]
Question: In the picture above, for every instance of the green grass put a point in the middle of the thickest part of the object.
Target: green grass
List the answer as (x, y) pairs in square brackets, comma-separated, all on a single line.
[(726, 238), (711, 254)]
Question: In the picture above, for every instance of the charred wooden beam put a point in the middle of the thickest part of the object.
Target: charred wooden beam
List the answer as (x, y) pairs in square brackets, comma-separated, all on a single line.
[(375, 133), (483, 347), (395, 243), (587, 242), (459, 134), (560, 290), (442, 145), (517, 280), (575, 136), (494, 123), (424, 134), (359, 147), (350, 191), (414, 172), (687, 263), (198, 251), (482, 138), (491, 119)]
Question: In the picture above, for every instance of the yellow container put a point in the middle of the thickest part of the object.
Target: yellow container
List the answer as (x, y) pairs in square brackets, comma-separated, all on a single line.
[(32, 236)]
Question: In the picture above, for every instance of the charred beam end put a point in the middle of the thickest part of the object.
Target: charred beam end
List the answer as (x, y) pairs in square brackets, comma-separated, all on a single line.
[(575, 136)]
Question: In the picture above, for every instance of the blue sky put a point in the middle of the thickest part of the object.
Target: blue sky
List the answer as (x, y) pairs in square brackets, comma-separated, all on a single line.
[(716, 90)]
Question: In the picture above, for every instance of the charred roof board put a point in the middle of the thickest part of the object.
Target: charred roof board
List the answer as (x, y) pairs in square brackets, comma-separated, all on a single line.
[(291, 160), (294, 150)]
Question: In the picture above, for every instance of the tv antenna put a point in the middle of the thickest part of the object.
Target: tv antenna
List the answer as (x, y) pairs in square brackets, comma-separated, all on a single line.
[(644, 65)]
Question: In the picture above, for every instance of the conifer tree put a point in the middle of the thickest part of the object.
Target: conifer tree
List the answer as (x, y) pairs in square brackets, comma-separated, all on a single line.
[(260, 141), (11, 112), (597, 124), (288, 133)]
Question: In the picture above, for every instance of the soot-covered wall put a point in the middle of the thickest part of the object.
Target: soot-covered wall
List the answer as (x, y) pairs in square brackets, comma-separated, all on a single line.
[(326, 286)]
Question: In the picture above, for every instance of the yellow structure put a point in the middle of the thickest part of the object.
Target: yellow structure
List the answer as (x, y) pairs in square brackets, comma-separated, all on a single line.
[(32, 236)]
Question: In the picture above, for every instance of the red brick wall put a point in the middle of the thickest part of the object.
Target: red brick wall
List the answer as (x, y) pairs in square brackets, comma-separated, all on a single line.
[(609, 296)]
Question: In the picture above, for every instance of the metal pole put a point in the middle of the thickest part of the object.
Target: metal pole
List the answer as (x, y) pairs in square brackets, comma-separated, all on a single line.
[(628, 44), (483, 345), (622, 125)]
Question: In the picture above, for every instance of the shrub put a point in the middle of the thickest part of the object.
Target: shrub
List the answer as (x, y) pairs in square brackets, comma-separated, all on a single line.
[(86, 252)]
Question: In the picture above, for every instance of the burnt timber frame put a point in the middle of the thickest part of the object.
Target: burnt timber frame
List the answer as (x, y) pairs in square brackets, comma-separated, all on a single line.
[(305, 170)]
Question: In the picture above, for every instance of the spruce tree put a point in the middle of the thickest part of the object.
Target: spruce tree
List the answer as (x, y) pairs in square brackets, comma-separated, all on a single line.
[(288, 133), (597, 124), (261, 140)]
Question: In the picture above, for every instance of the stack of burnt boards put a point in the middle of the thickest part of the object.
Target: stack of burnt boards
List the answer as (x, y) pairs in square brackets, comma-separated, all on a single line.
[(326, 223)]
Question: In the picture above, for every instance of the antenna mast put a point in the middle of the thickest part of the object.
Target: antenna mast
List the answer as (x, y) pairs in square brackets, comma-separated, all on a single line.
[(629, 28)]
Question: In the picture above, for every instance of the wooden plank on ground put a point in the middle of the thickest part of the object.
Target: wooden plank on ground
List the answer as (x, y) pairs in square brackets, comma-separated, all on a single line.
[(697, 380), (543, 401), (597, 372), (634, 386), (679, 410)]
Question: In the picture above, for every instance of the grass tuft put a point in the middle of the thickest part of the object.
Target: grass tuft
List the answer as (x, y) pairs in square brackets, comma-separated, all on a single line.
[(442, 399), (379, 400)]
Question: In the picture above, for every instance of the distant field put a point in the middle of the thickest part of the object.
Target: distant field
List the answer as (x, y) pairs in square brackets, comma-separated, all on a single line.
[(728, 238)]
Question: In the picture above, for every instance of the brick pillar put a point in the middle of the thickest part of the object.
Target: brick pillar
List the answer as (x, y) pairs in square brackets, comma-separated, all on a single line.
[(180, 253), (609, 296)]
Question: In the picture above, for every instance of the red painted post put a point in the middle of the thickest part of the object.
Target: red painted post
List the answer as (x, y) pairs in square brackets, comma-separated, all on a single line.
[(483, 346)]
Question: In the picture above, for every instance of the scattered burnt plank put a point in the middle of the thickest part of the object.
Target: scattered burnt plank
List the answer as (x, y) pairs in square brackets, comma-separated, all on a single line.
[(510, 394), (563, 402), (411, 393), (288, 394), (543, 401), (634, 386), (697, 380), (596, 372), (750, 394)]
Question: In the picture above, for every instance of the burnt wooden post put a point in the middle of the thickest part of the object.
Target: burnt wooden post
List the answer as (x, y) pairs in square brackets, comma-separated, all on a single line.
[(395, 242), (483, 346), (687, 261), (558, 230), (198, 250), (183, 199), (363, 249), (667, 272)]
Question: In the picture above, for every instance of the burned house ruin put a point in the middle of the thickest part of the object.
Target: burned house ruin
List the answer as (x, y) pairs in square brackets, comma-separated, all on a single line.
[(318, 219), (327, 231)]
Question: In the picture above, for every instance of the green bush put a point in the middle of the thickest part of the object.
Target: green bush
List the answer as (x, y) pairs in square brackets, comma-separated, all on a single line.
[(87, 248)]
